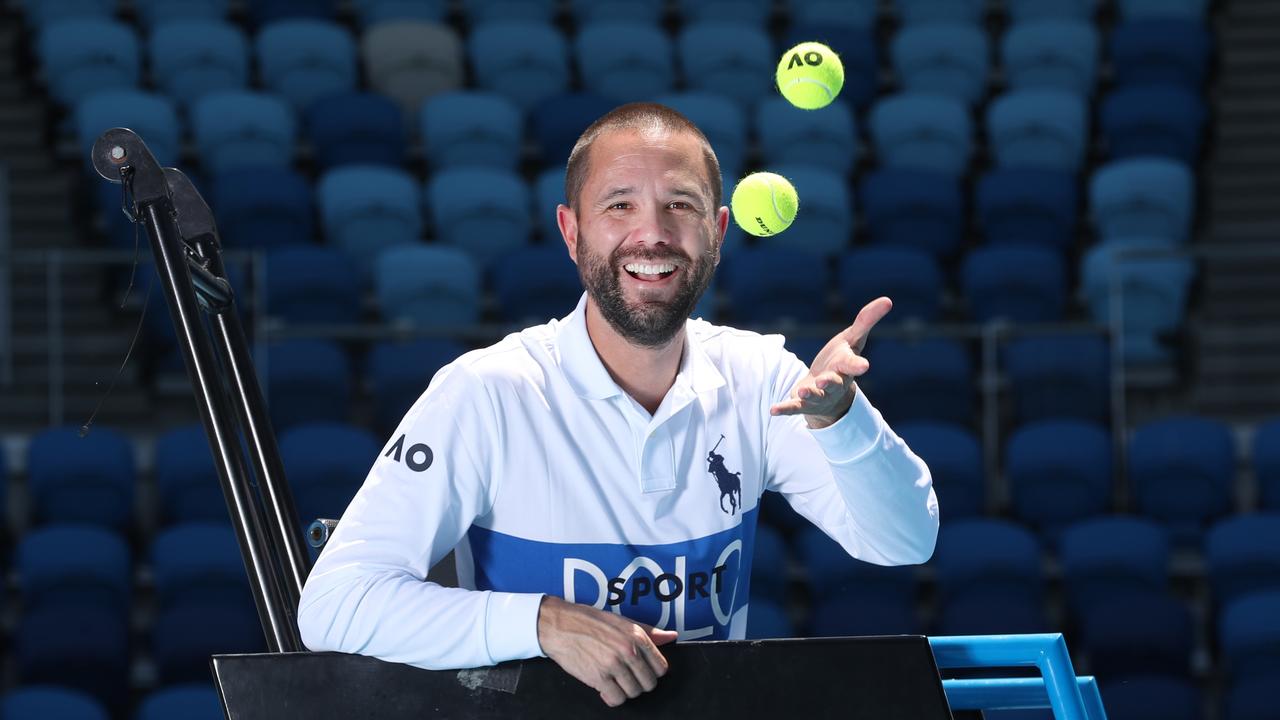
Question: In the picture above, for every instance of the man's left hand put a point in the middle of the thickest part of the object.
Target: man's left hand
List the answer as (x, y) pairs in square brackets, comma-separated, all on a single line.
[(826, 393)]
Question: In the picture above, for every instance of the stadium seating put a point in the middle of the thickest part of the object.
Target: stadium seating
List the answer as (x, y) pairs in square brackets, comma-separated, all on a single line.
[(193, 701), (1152, 289), (187, 485), (625, 61), (556, 123), (326, 463), (1052, 54), (73, 479), (304, 60), (943, 58), (585, 11), (548, 192), (525, 10), (39, 14), (50, 702), (1022, 11), (376, 12), (925, 132), (955, 462), (1145, 52), (1250, 698), (1161, 120), (1018, 205), (769, 284), (926, 380), (192, 57), (769, 565), (309, 284), (527, 61), (988, 577), (263, 207), (235, 128), (858, 14), (399, 374), (767, 619), (427, 286), (83, 56), (722, 121), (1242, 555), (69, 564), (1146, 197), (368, 209), (1112, 556), (1181, 469), (480, 210), (535, 284), (826, 225), (1059, 376), (1138, 633), (727, 57), (466, 128), (1038, 128), (1153, 695), (910, 208), (855, 44), (81, 646), (305, 381), (409, 61), (1249, 636), (152, 116), (355, 128), (1058, 471), (267, 11), (826, 137), (1265, 456), (154, 13), (1020, 283), (919, 12), (909, 276), (1186, 9)]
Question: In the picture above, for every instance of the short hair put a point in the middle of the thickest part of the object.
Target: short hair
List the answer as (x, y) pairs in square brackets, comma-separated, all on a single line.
[(637, 116)]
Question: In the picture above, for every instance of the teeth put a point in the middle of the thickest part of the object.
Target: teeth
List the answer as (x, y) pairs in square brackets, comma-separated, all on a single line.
[(642, 269)]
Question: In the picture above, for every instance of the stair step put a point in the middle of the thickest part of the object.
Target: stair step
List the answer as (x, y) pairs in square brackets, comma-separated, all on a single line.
[(1239, 368)]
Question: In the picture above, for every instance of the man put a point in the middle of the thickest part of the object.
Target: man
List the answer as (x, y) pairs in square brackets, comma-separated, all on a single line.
[(599, 476)]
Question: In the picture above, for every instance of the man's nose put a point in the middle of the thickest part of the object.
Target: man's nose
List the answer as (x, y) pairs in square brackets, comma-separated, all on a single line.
[(652, 226)]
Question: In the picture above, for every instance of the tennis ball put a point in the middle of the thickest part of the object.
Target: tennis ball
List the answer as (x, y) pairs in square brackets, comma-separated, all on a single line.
[(764, 204), (810, 75)]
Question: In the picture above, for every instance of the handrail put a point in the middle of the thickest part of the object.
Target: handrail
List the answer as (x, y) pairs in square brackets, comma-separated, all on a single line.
[(1016, 694), (1046, 651)]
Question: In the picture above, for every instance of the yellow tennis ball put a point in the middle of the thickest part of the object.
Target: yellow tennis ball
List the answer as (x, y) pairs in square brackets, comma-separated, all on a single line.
[(810, 75), (764, 204)]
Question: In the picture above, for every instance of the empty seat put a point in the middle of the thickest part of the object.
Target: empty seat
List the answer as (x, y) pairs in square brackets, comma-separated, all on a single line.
[(483, 211), (263, 208), (1242, 554), (1022, 11), (466, 128), (1251, 698), (925, 132), (535, 284), (73, 479), (992, 613), (306, 59), (1112, 556), (1052, 55), (1163, 120), (79, 646), (1184, 9), (1250, 636), (857, 14), (374, 12), (50, 702), (722, 121), (943, 58), (988, 558), (826, 137), (1138, 632), (734, 59), (193, 701), (911, 277), (1019, 283), (1059, 376), (556, 123), (187, 485), (584, 11), (526, 61), (356, 128), (193, 57), (152, 116), (410, 61), (1023, 205), (771, 284), (312, 285), (1038, 128), (399, 373), (911, 208), (306, 381), (1265, 455), (67, 564), (491, 10), (367, 209), (824, 223), (154, 13), (1145, 52), (835, 575), (39, 14), (548, 193), (83, 56), (926, 12), (428, 286), (239, 129), (954, 458), (1182, 469), (625, 61), (1146, 197), (1153, 291), (929, 379), (326, 464), (1058, 471), (856, 47)]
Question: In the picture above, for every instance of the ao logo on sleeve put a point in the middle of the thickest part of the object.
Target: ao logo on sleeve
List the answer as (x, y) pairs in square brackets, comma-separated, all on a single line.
[(418, 457)]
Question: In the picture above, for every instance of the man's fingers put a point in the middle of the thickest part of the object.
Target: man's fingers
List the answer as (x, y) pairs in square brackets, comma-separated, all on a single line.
[(612, 694), (626, 678), (870, 314)]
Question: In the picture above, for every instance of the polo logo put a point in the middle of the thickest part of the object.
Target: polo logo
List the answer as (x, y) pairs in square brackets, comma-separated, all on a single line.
[(730, 482)]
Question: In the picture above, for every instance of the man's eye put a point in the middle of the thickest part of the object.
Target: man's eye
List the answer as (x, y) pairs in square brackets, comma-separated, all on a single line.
[(680, 205), (620, 205)]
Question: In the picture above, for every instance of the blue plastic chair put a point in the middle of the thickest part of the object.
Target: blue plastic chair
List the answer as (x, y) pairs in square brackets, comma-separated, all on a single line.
[(1265, 454), (735, 59), (1059, 376), (926, 380), (625, 61), (1153, 291), (66, 564), (826, 137), (824, 223), (1182, 470), (152, 116), (471, 128), (943, 58), (1045, 129), (766, 619), (187, 485), (154, 13), (856, 14), (78, 646), (924, 132), (918, 209), (39, 14), (1145, 52), (1024, 11), (925, 12), (263, 208), (1020, 283), (535, 284), (194, 701), (356, 128), (754, 12), (235, 128), (326, 463), (411, 60), (992, 613), (50, 702), (1163, 120), (367, 209), (73, 479), (1249, 636), (585, 11), (1052, 54), (306, 381), (399, 373), (484, 211), (497, 10), (1242, 555), (954, 457), (1251, 698), (556, 123), (852, 597), (856, 46), (312, 285), (527, 61), (428, 286), (1183, 9), (306, 59), (986, 555), (1058, 471), (1023, 205), (193, 57), (720, 119), (1148, 197), (768, 285), (1137, 633), (373, 12), (911, 277), (83, 56), (1111, 556), (548, 193), (840, 616), (268, 11)]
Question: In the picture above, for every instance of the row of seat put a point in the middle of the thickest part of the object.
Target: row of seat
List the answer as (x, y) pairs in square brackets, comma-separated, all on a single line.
[(190, 701)]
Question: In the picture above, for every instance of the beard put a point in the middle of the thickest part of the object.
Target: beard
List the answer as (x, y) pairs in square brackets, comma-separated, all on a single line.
[(646, 323)]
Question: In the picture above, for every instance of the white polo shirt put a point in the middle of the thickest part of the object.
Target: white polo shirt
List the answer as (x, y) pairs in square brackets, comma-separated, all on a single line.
[(529, 460)]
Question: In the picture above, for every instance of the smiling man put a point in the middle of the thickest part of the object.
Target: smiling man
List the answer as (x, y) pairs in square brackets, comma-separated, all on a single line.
[(599, 476)]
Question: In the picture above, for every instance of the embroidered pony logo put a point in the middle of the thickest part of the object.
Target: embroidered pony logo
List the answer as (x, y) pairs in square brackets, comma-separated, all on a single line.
[(730, 482)]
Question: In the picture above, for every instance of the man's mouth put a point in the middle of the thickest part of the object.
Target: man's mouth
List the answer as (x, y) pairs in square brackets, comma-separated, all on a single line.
[(649, 271)]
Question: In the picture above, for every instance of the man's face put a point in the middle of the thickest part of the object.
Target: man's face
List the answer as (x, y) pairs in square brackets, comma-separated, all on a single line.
[(644, 234)]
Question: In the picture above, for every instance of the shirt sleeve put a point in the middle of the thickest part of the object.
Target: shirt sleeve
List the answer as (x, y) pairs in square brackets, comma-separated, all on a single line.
[(368, 593), (855, 479)]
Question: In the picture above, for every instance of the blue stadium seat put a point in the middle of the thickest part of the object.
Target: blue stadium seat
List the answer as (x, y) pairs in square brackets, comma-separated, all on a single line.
[(79, 646), (556, 123), (548, 192), (154, 13), (526, 61), (925, 12), (1023, 11), (909, 208), (1112, 556), (943, 58), (1136, 633), (263, 208), (68, 564), (399, 373), (306, 381), (262, 12), (954, 458), (472, 128), (769, 565), (1058, 471), (625, 61), (754, 12), (842, 616), (992, 613), (826, 137), (355, 128), (1251, 698), (1164, 120), (1250, 637), (428, 286), (584, 11), (484, 211), (411, 60), (726, 57), (857, 14), (1145, 52), (989, 578), (925, 132), (1265, 456), (720, 119), (1170, 697), (1153, 290), (73, 479), (312, 285), (766, 619), (910, 277), (852, 597), (152, 116), (1045, 129), (1145, 197), (824, 224), (1242, 555), (1182, 470), (1059, 376), (237, 129), (1021, 283), (187, 486), (856, 46), (191, 701), (306, 59), (497, 10), (373, 12), (367, 209), (50, 702), (1022, 205), (1053, 55), (770, 284), (80, 57), (927, 380), (1184, 9), (40, 13), (535, 284), (191, 58), (326, 463)]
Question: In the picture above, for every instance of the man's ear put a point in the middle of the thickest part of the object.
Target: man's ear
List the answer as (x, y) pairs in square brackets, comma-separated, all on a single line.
[(567, 220), (722, 227)]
